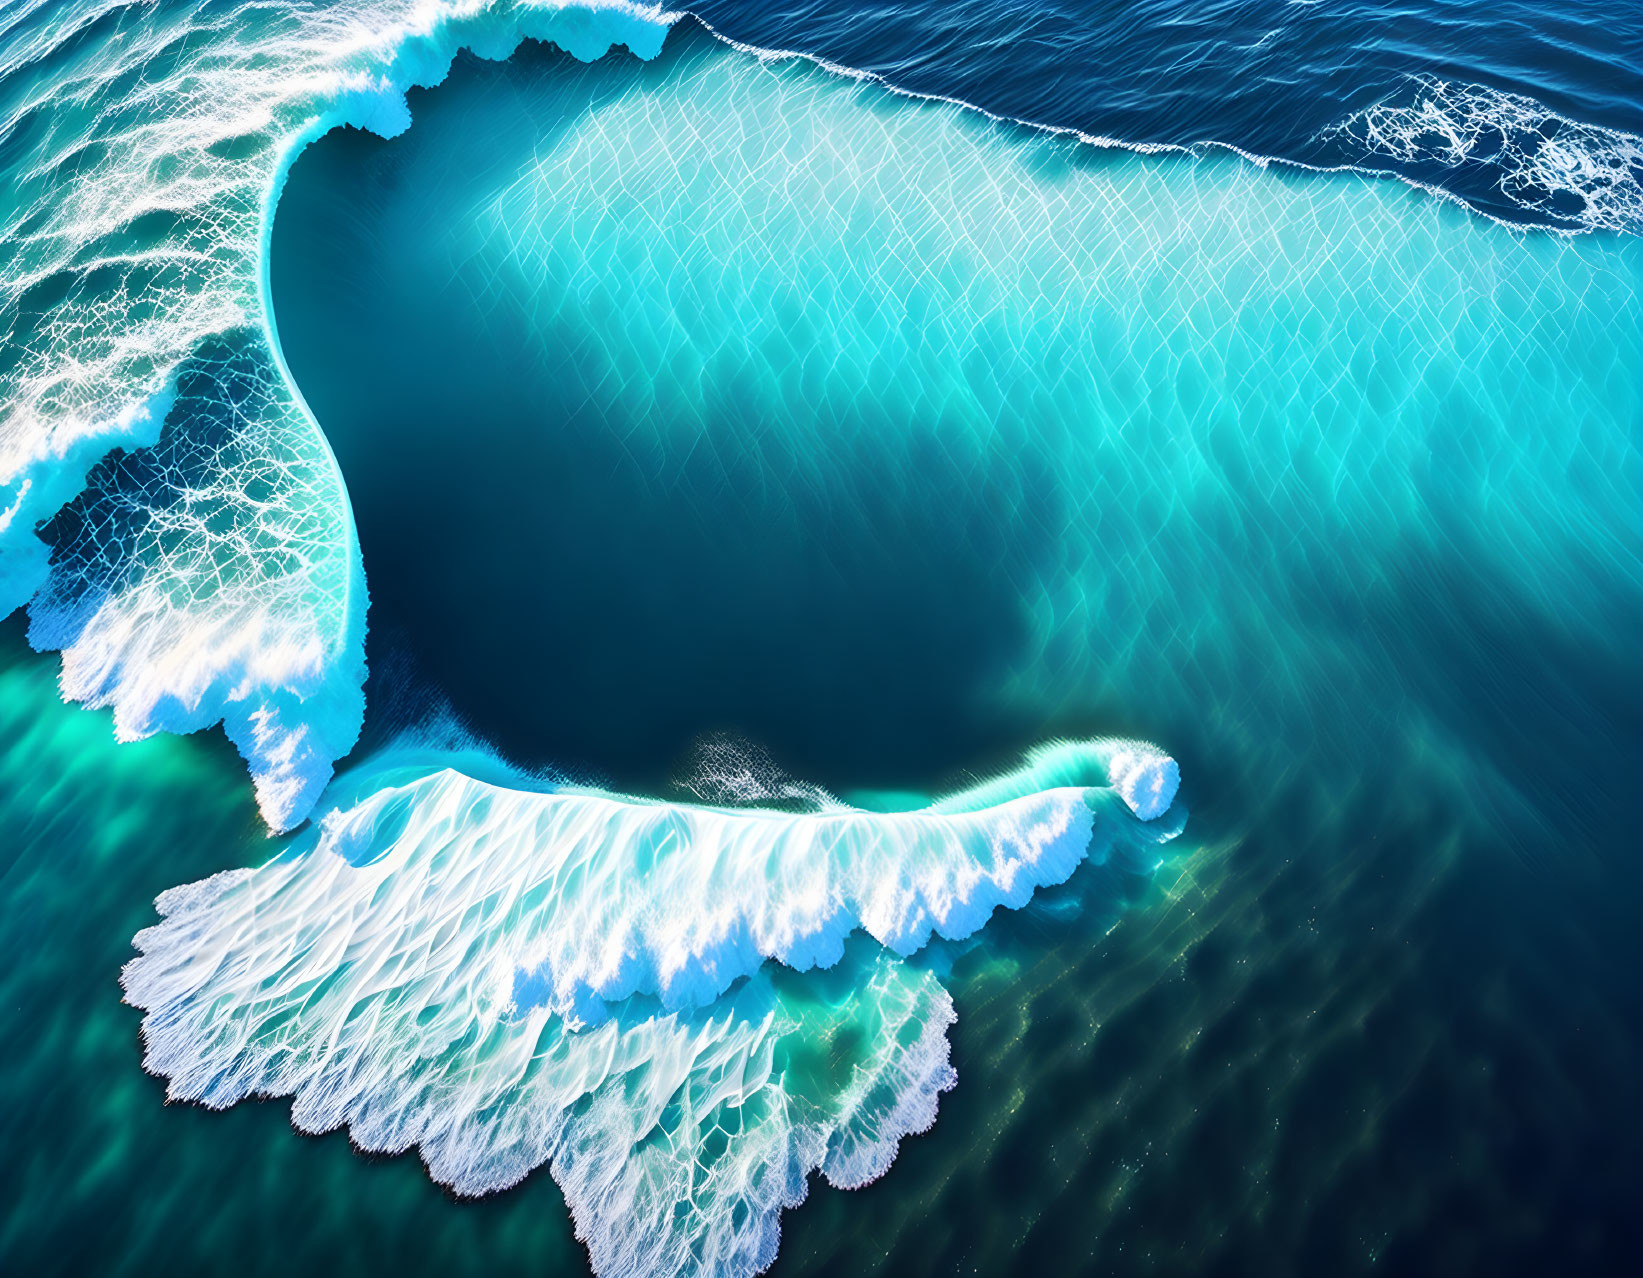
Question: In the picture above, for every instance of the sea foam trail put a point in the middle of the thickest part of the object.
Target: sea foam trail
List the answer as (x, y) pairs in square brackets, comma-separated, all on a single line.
[(677, 1139), (507, 976)]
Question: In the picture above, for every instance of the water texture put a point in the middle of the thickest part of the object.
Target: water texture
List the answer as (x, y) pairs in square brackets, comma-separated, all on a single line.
[(791, 500)]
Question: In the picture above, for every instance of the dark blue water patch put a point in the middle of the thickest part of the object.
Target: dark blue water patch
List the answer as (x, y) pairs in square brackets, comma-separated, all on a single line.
[(1267, 76), (583, 606), (1386, 1037)]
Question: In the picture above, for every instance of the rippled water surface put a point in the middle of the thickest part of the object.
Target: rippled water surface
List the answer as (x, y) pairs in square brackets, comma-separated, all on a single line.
[(1263, 381)]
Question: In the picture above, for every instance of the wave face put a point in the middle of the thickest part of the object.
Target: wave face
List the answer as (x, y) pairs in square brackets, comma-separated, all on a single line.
[(504, 977)]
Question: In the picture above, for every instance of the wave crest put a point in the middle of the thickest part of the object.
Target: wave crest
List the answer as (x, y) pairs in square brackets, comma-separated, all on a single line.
[(578, 901), (216, 576)]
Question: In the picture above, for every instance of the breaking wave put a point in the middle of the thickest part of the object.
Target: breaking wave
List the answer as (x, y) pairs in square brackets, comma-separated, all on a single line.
[(507, 975), (198, 561), (504, 974)]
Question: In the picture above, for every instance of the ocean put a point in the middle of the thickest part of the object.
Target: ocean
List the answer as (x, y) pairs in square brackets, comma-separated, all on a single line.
[(1036, 609)]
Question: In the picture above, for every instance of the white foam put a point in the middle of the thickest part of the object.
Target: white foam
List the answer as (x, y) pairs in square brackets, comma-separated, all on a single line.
[(1574, 174), (1147, 780), (507, 975), (730, 771), (677, 1139), (590, 900)]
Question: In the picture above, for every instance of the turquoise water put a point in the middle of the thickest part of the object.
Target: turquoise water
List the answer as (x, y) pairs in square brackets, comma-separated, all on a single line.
[(895, 439), (753, 468)]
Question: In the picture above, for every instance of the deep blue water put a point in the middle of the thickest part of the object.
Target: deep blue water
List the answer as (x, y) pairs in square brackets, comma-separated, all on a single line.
[(1269, 78)]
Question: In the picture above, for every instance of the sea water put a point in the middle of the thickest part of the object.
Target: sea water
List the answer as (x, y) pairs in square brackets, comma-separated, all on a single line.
[(690, 391)]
